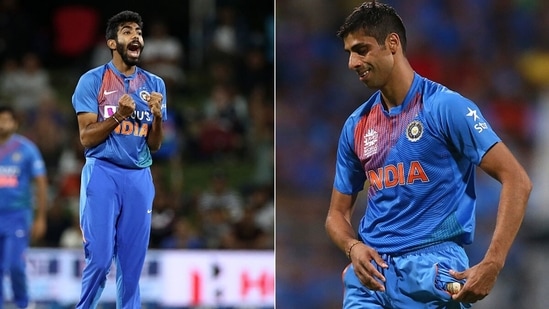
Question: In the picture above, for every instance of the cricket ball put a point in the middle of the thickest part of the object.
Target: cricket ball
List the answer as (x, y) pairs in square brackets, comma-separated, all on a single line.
[(453, 287)]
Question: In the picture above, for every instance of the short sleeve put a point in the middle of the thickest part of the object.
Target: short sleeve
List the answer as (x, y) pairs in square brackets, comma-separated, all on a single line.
[(84, 98), (38, 166), (463, 125), (349, 173)]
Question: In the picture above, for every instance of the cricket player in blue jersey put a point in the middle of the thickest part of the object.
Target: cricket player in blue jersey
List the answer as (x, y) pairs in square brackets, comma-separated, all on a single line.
[(415, 145), (120, 108), (23, 206)]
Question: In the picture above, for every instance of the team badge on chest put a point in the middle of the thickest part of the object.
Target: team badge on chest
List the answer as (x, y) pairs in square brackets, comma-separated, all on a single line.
[(414, 131), (144, 95)]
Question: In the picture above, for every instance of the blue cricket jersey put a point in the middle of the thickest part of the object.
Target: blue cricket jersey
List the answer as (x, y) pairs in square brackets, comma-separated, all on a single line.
[(20, 163), (98, 92), (419, 159)]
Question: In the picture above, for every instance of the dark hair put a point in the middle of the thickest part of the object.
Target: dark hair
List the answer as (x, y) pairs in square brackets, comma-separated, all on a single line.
[(375, 19), (8, 109), (118, 20)]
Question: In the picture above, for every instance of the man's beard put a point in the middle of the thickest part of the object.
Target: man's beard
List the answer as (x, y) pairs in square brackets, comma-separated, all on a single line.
[(5, 133), (122, 51)]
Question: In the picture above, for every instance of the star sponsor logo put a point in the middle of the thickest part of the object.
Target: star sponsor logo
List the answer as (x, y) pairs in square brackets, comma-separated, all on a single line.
[(479, 126), (473, 113)]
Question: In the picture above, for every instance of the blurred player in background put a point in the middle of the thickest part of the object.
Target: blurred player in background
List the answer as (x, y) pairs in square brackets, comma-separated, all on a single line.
[(417, 144), (120, 108), (23, 198)]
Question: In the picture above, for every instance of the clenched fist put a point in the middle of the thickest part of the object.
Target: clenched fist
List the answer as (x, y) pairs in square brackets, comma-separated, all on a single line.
[(126, 106), (155, 104)]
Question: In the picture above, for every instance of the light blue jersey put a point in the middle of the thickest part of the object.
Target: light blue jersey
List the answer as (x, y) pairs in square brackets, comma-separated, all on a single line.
[(20, 163), (117, 189), (98, 92), (420, 160)]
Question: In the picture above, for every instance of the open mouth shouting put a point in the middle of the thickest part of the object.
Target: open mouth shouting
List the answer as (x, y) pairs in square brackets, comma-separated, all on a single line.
[(134, 49)]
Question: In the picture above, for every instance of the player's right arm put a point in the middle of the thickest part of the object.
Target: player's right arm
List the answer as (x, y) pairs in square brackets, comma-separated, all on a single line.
[(349, 181), (339, 228), (94, 132)]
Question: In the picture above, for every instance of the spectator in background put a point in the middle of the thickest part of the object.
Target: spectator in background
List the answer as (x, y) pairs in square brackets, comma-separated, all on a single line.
[(9, 78), (99, 54), (184, 235), (532, 62), (163, 214), (58, 218), (227, 34), (26, 84), (261, 134), (46, 126), (68, 174), (164, 55), (71, 237), (218, 207), (168, 159), (255, 71), (214, 223), (222, 70), (225, 123), (246, 234), (255, 228), (261, 201), (66, 190)]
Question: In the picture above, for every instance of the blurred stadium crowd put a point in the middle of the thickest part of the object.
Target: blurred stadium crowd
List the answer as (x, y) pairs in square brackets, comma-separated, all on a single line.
[(496, 52), (214, 174)]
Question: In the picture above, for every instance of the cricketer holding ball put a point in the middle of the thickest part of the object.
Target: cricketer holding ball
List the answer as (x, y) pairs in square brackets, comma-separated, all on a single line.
[(418, 145)]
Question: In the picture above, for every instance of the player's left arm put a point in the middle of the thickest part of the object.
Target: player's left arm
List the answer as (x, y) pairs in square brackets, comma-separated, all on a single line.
[(154, 139), (502, 165), (41, 198)]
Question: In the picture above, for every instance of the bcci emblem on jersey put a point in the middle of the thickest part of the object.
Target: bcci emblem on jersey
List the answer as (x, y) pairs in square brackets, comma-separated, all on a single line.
[(144, 95), (414, 131)]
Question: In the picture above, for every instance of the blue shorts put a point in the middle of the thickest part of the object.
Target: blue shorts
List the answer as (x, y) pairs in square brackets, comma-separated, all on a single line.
[(413, 280)]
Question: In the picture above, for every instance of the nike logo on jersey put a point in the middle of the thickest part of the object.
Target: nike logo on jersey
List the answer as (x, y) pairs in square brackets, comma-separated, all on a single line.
[(149, 211), (105, 92)]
